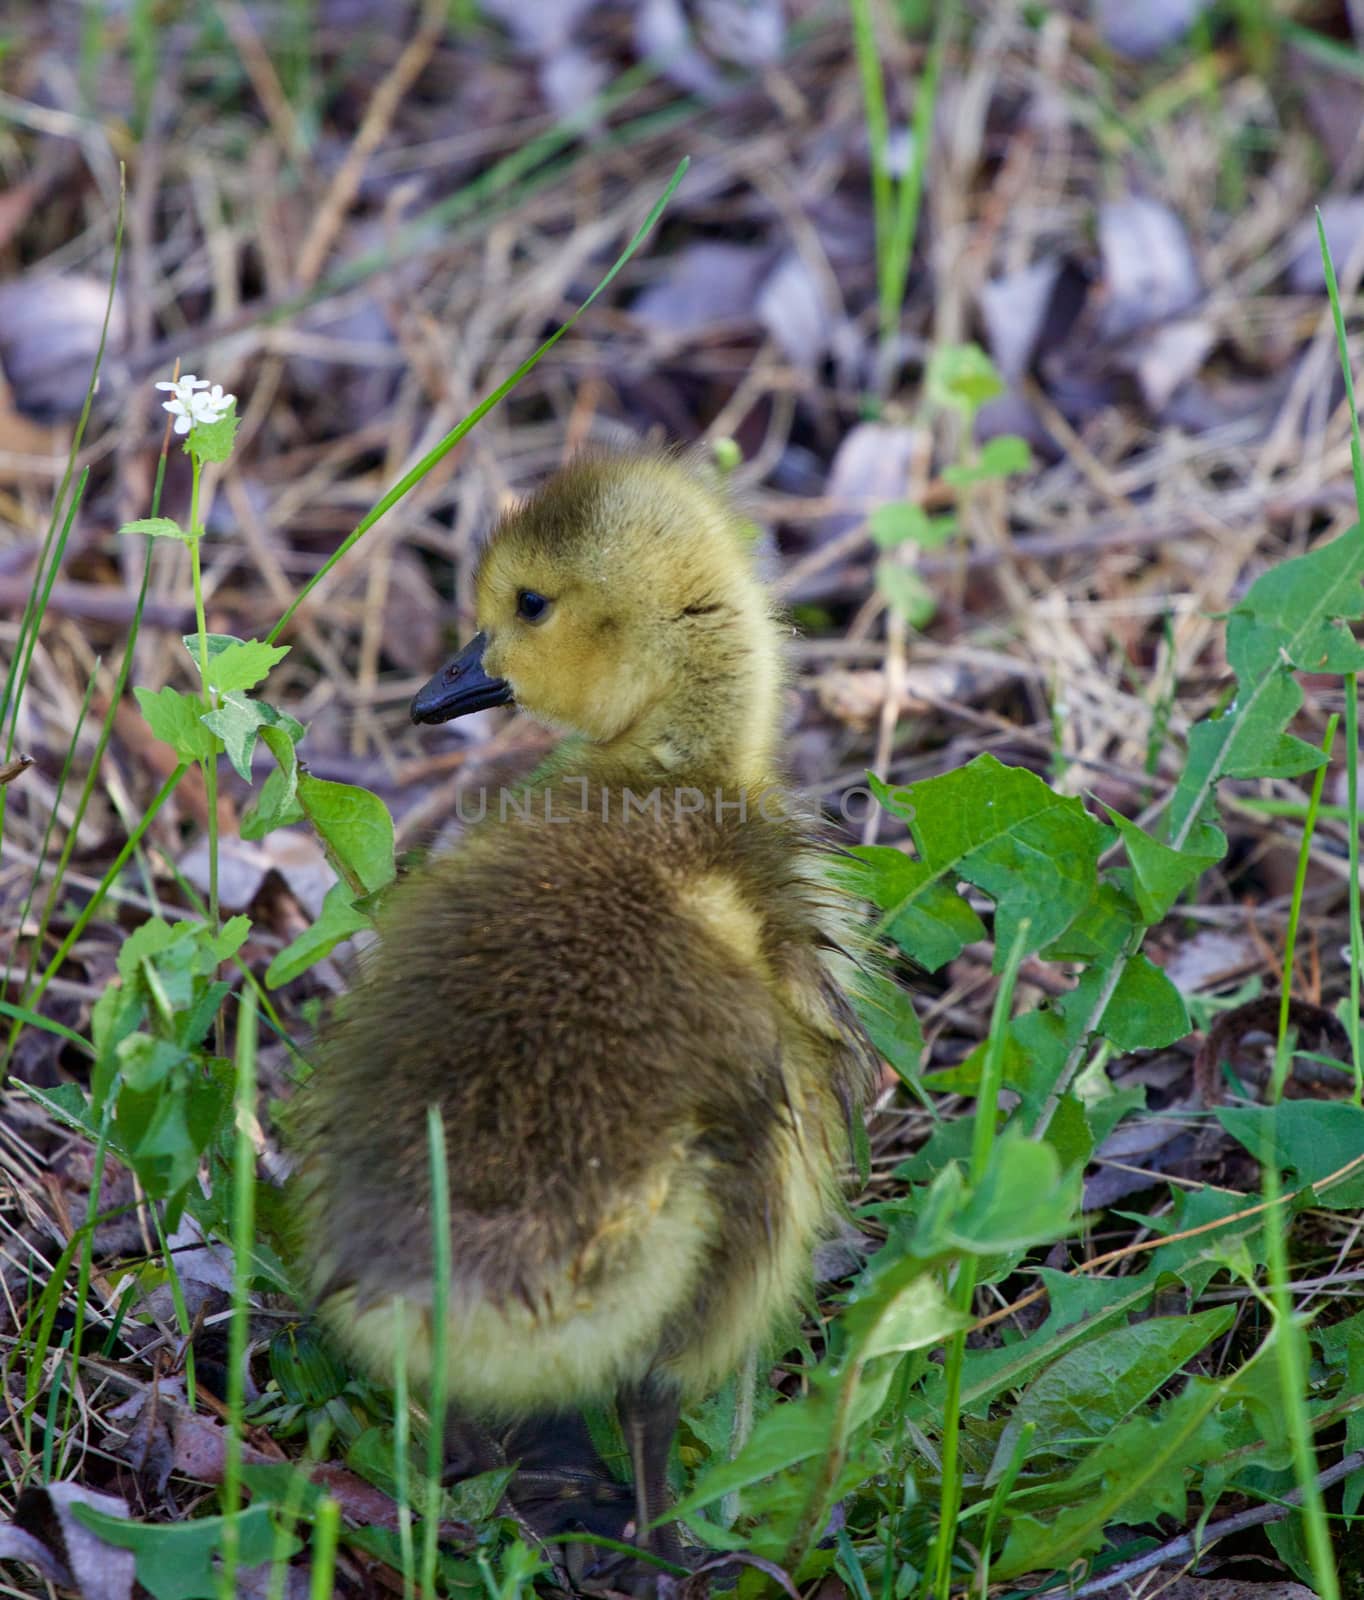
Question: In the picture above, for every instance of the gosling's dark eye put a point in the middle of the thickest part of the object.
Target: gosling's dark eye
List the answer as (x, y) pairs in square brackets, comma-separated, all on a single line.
[(531, 607)]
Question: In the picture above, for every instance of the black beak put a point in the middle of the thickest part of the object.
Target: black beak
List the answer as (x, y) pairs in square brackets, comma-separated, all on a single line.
[(461, 685)]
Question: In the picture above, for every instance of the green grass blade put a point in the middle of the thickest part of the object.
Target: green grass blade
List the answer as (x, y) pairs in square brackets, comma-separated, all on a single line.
[(410, 480), (243, 1243)]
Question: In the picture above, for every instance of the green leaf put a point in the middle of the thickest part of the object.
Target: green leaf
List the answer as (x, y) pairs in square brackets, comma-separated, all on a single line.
[(1024, 1199), (906, 593), (1310, 1139), (999, 458), (1295, 615), (1098, 1384), (237, 722), (337, 920), (928, 919), (230, 938), (175, 1560), (1002, 829), (902, 523), (212, 441), (1160, 874), (176, 719), (962, 377), (355, 828), (1137, 1473), (235, 663), (158, 528), (888, 1015), (277, 805), (1146, 1011)]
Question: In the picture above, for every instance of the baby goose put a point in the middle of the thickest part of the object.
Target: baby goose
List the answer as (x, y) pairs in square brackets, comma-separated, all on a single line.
[(616, 994)]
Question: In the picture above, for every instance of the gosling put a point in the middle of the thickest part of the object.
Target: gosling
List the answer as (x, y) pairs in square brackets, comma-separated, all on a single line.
[(615, 990)]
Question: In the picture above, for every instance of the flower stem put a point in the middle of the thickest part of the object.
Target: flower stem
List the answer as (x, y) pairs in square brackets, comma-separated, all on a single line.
[(209, 763)]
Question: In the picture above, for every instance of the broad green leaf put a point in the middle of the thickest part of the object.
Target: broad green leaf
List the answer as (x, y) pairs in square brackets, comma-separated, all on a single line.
[(212, 441), (176, 719), (1159, 874), (1311, 1139), (1097, 1385), (230, 938), (928, 919), (235, 663), (146, 1062), (355, 828), (1024, 1199), (337, 920), (1342, 1346), (158, 528), (277, 805), (1146, 1010), (175, 1560), (887, 1013), (897, 1307), (1002, 829), (1137, 1473)]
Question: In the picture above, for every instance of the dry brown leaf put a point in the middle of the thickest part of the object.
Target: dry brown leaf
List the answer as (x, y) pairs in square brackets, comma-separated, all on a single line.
[(46, 1535)]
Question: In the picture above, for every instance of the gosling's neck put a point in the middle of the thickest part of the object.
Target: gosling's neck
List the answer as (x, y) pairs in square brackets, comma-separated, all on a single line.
[(719, 727)]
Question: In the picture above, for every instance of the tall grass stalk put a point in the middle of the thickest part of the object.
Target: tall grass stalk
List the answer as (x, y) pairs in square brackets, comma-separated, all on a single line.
[(896, 202), (326, 1536), (33, 613), (441, 1270), (243, 1253), (1282, 1056), (402, 1444), (1288, 1340), (438, 453)]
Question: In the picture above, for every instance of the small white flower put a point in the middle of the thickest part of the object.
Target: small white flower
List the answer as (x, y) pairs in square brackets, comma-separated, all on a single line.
[(188, 406), (213, 406)]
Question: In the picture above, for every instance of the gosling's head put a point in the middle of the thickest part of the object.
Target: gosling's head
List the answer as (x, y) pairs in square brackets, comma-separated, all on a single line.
[(620, 603)]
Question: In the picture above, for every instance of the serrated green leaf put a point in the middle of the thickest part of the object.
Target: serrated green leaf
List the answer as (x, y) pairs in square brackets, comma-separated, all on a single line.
[(176, 719), (1002, 829), (1160, 873), (245, 664), (1137, 1473), (1295, 615), (928, 919), (213, 441), (888, 1015), (355, 828), (276, 806), (1094, 1387), (158, 528), (235, 663), (1146, 1011), (901, 522)]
